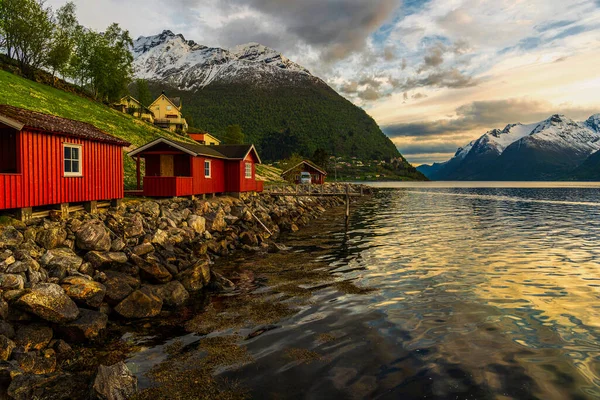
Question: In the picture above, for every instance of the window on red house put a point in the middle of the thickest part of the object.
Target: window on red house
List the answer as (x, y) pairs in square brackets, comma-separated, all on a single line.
[(8, 151)]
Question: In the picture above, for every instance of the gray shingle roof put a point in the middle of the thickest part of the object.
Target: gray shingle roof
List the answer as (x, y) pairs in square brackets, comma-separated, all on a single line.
[(58, 125)]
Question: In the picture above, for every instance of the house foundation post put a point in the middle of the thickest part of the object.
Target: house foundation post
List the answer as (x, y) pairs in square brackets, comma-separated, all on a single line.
[(24, 214), (116, 203), (64, 210), (138, 172), (91, 207)]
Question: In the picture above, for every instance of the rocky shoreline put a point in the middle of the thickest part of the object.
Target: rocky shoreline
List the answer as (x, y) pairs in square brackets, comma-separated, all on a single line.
[(63, 282)]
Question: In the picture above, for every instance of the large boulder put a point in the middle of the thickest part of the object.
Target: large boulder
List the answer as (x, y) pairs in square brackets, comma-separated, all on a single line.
[(50, 302), (6, 347), (93, 235), (143, 249), (215, 221), (36, 362), (119, 286), (142, 303), (173, 216), (89, 325), (151, 269), (11, 282), (10, 237), (51, 238), (84, 290), (52, 386), (115, 382), (100, 260), (173, 294), (196, 277), (34, 336), (197, 223), (150, 209), (63, 258), (133, 227)]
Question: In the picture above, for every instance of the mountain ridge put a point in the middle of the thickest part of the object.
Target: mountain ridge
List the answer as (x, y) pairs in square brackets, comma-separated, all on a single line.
[(280, 105), (550, 149)]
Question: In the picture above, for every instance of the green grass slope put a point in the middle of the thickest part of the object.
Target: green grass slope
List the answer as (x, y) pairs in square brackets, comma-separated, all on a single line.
[(21, 92), (286, 118)]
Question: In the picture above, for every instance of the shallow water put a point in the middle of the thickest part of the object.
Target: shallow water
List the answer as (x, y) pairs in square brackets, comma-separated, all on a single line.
[(482, 292)]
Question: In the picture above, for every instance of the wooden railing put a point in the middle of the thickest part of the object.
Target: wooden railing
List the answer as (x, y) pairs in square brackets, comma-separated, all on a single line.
[(168, 186)]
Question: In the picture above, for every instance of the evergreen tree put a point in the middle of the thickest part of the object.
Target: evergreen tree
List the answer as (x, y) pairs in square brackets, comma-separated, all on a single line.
[(233, 135), (27, 29), (321, 158), (143, 92), (63, 39)]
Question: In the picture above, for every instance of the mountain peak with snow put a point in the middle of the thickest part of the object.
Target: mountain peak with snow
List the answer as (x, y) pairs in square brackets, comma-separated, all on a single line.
[(520, 150), (169, 57)]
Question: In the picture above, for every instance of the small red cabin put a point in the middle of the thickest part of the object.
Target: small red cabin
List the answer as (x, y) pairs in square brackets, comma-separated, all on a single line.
[(47, 160), (317, 174), (175, 168)]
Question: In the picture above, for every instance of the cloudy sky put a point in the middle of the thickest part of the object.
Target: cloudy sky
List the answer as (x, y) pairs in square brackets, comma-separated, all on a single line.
[(435, 74)]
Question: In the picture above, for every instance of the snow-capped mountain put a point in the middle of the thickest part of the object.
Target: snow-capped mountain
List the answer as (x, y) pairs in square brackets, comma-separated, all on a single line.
[(184, 64), (545, 150)]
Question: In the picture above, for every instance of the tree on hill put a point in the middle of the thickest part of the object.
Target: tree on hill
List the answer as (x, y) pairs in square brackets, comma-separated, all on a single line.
[(63, 39), (27, 29), (233, 135), (321, 158), (291, 162), (143, 92)]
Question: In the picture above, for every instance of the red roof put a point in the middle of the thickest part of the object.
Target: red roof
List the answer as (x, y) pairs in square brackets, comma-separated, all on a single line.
[(19, 118)]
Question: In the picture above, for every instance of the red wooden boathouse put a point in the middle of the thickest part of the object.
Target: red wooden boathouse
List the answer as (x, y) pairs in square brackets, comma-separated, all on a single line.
[(317, 174), (175, 168), (47, 160)]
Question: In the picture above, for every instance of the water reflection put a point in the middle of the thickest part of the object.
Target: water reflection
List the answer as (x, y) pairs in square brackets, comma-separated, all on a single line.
[(481, 293)]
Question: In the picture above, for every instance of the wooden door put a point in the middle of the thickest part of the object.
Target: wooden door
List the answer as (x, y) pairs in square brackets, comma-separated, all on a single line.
[(167, 165)]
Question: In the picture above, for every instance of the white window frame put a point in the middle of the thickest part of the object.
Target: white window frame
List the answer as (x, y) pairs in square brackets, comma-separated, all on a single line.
[(248, 171), (209, 164), (169, 108), (80, 160)]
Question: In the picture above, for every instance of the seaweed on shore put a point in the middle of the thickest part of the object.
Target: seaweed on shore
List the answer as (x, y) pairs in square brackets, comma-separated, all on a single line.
[(190, 374)]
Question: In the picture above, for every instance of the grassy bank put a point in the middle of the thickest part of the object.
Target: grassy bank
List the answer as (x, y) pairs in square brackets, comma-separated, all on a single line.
[(24, 93)]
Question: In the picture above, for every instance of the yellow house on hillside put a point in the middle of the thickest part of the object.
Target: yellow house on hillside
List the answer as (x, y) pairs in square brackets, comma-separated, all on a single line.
[(204, 138), (167, 113), (132, 106)]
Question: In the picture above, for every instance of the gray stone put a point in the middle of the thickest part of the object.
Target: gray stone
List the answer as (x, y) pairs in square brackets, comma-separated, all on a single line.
[(93, 235), (84, 290), (89, 325), (63, 258), (50, 302), (142, 303), (119, 286), (6, 348), (51, 238), (173, 294), (150, 209), (152, 270), (34, 336), (197, 223), (102, 260), (9, 236), (11, 282), (7, 330), (215, 221), (196, 277), (115, 382), (143, 249)]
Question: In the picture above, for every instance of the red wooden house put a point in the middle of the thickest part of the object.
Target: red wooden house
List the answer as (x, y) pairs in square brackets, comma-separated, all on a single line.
[(175, 168), (47, 160), (317, 174)]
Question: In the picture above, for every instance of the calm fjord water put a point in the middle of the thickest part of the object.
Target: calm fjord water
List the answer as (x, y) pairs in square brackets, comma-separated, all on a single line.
[(482, 292)]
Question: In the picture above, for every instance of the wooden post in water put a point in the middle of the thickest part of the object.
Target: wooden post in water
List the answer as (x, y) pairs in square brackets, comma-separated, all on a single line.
[(347, 203)]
